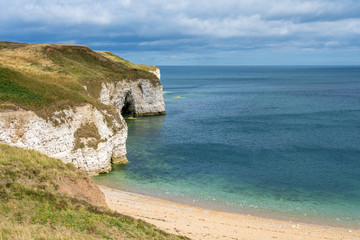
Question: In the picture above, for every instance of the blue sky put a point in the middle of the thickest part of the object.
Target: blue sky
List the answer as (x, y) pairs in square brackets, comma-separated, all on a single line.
[(184, 32)]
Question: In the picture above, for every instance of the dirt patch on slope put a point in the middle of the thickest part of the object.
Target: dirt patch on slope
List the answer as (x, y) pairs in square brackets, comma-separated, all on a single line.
[(82, 188)]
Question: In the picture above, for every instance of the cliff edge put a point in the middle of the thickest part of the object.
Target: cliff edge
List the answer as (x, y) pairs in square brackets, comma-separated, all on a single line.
[(67, 101)]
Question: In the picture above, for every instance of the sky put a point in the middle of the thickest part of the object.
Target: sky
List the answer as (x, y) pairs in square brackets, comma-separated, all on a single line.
[(194, 32)]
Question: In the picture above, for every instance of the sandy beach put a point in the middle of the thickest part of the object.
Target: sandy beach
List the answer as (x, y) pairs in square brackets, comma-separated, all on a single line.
[(199, 223)]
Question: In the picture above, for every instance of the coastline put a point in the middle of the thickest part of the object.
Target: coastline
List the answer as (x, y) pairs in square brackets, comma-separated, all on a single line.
[(201, 223)]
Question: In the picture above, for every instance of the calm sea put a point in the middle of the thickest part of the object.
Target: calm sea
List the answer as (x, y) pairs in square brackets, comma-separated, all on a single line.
[(282, 142)]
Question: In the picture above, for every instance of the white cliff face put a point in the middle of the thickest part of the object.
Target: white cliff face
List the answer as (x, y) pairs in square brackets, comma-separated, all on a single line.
[(84, 135), (140, 97), (156, 72), (57, 138)]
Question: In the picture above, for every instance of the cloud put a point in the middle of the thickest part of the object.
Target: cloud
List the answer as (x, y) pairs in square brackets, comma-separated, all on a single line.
[(184, 25)]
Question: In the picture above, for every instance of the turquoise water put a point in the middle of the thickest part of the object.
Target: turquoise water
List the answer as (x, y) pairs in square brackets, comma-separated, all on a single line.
[(281, 142)]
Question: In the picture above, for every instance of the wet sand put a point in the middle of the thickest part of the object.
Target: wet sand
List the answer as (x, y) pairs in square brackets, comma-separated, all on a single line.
[(199, 223)]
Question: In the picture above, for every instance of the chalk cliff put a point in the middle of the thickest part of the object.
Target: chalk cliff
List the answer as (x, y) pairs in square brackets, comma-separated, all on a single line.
[(79, 135), (66, 102), (140, 97)]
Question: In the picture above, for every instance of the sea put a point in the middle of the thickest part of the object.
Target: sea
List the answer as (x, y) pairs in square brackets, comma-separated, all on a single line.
[(272, 141)]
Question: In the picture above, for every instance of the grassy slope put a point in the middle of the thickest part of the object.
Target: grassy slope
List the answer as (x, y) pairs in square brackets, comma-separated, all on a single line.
[(46, 78), (125, 63), (32, 207)]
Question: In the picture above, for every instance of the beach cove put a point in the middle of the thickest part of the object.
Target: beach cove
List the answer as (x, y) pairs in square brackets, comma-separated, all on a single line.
[(274, 142), (199, 223), (179, 120)]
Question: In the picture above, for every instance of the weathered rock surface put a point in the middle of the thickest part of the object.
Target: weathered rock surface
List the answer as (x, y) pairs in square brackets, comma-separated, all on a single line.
[(66, 101), (140, 97), (57, 137), (156, 72)]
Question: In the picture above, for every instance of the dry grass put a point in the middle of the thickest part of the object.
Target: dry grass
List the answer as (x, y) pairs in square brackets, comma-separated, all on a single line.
[(20, 231), (46, 78), (33, 204), (25, 58), (125, 63), (32, 61), (87, 135)]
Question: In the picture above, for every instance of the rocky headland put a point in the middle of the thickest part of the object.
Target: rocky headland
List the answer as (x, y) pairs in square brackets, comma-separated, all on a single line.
[(68, 102)]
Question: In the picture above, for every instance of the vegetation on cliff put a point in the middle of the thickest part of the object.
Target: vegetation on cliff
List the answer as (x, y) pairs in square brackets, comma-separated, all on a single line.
[(46, 77), (125, 63), (43, 198)]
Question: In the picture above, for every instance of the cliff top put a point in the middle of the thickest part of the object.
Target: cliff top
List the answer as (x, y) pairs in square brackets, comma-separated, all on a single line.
[(125, 63), (50, 77), (43, 198)]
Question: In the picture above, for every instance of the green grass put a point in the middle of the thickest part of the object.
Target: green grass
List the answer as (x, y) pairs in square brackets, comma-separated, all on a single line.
[(125, 63), (90, 132), (32, 93), (91, 68), (31, 206), (47, 78), (11, 45)]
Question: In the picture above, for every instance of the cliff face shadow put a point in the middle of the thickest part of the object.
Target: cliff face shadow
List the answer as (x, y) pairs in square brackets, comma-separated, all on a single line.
[(128, 109)]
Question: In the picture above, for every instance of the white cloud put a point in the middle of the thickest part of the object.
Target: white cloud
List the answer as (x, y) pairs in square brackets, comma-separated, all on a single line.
[(162, 21)]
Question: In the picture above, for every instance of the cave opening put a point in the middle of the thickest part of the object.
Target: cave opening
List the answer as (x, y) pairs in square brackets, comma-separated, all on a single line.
[(128, 107)]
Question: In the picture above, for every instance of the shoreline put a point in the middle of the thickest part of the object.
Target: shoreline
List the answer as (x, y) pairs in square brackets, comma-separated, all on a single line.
[(200, 223)]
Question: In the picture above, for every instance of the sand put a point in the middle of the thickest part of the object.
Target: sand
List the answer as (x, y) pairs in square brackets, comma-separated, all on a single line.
[(199, 223)]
